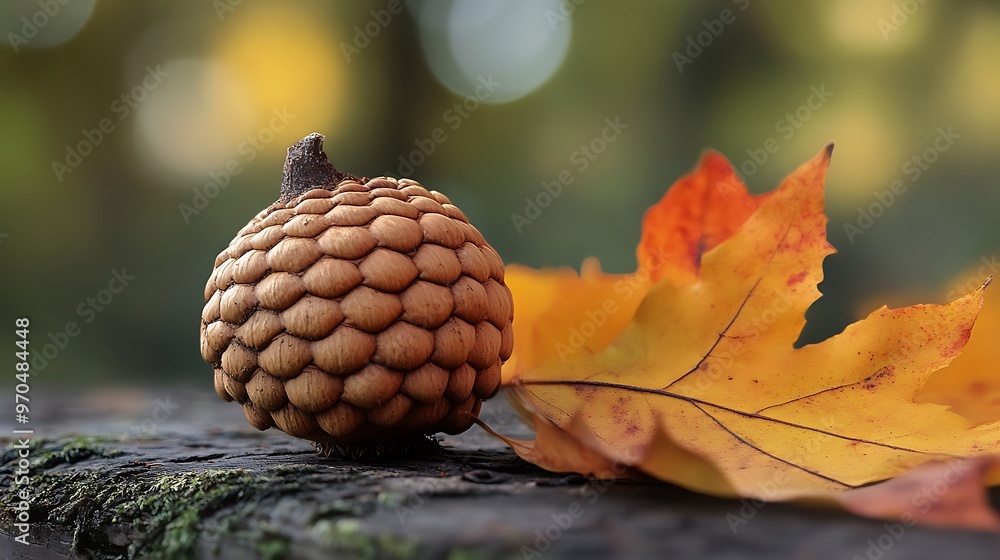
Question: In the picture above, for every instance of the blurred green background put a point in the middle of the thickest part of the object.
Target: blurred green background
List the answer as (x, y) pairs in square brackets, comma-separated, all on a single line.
[(120, 121)]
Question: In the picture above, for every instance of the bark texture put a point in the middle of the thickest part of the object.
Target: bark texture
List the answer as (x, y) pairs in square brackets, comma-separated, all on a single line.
[(173, 474)]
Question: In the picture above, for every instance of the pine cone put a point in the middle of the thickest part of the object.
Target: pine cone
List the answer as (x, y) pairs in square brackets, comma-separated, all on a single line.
[(356, 310)]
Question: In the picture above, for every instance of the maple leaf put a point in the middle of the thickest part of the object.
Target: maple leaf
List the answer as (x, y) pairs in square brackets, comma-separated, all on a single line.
[(564, 312), (687, 369), (937, 493), (970, 385), (700, 211)]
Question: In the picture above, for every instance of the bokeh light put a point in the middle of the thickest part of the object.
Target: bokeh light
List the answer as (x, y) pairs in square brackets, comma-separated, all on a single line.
[(387, 84), (831, 30), (270, 74), (28, 24), (520, 44), (876, 26), (870, 151), (286, 60), (193, 123), (973, 84)]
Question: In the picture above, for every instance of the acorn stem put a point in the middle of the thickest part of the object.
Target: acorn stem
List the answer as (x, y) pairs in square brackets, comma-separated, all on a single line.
[(307, 168)]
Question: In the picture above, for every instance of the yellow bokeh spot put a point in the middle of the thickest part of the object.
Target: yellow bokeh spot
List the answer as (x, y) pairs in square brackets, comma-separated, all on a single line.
[(974, 85), (869, 155), (838, 27), (194, 123), (289, 62), (877, 25)]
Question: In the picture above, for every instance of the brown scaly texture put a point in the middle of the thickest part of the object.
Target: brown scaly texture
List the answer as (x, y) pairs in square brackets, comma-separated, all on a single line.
[(356, 311)]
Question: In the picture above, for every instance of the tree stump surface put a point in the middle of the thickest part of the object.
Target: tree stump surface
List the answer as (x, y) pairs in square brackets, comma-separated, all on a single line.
[(180, 474)]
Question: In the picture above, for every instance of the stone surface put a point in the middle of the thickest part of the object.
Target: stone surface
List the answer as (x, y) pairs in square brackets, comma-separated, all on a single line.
[(175, 474)]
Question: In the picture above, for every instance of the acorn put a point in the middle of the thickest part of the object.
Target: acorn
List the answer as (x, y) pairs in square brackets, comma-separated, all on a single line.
[(361, 314)]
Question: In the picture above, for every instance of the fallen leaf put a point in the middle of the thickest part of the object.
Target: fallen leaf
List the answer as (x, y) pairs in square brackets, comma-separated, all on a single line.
[(970, 385), (563, 450), (568, 311), (939, 493), (700, 211), (704, 372), (561, 311)]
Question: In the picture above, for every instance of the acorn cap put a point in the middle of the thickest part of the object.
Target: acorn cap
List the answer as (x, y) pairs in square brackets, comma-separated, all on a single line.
[(356, 310)]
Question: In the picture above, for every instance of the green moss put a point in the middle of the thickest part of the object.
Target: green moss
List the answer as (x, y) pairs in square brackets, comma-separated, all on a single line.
[(389, 499), (396, 547), (45, 454), (338, 508), (82, 441), (346, 535), (178, 515), (169, 511), (83, 447), (71, 450), (272, 548), (33, 445), (174, 506)]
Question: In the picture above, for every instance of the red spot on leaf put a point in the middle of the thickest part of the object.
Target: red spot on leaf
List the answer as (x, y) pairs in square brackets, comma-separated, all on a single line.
[(796, 278), (960, 343)]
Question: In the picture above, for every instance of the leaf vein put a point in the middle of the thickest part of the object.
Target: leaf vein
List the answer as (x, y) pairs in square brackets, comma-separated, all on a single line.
[(695, 400), (769, 454)]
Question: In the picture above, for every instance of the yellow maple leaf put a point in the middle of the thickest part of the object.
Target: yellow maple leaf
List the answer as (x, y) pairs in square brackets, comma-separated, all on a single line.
[(970, 385), (561, 312), (694, 378), (937, 493)]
